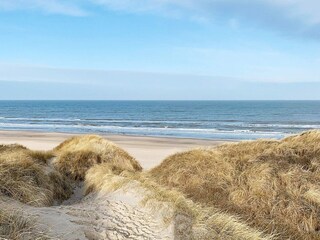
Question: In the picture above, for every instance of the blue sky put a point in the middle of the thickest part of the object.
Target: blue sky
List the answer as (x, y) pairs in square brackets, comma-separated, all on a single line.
[(159, 49)]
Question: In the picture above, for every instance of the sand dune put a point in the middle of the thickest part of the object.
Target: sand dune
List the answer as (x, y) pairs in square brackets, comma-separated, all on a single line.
[(89, 188), (150, 151)]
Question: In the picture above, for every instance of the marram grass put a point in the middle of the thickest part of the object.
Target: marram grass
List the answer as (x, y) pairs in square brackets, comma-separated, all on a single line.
[(249, 190), (25, 177), (77, 155), (272, 185)]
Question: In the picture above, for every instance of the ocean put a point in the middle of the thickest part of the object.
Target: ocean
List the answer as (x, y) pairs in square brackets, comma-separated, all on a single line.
[(185, 119)]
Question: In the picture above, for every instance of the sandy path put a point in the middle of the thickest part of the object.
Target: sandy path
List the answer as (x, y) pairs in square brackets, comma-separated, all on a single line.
[(149, 151), (115, 216)]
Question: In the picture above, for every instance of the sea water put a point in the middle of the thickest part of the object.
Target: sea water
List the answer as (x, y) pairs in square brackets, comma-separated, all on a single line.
[(188, 119)]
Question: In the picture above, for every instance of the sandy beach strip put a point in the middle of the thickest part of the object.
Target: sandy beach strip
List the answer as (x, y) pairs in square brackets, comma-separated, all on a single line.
[(149, 151)]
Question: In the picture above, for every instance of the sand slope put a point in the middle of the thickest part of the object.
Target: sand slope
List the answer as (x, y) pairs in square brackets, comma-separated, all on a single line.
[(117, 215)]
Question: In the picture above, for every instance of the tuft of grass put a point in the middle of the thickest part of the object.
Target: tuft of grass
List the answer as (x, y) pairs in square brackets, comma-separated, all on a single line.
[(273, 185), (25, 179), (61, 186), (77, 155), (14, 226), (42, 156)]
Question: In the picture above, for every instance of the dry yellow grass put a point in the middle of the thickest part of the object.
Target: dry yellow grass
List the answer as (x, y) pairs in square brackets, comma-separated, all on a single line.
[(207, 222), (248, 190), (272, 185), (14, 226), (26, 178), (77, 155)]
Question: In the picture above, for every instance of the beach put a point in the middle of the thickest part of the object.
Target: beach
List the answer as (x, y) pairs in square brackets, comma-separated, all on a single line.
[(159, 120), (153, 170), (149, 151)]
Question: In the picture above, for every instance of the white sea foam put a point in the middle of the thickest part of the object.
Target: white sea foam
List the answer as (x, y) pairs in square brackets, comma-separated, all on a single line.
[(244, 120), (191, 132)]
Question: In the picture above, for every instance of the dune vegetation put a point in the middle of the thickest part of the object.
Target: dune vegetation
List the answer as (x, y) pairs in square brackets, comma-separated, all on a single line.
[(264, 189), (26, 177), (44, 178), (77, 155), (206, 222), (272, 185), (14, 226)]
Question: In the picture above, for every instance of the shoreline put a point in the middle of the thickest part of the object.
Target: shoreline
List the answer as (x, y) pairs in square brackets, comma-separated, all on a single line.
[(149, 151)]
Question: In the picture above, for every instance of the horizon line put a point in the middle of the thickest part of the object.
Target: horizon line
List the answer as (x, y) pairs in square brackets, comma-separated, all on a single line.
[(158, 100)]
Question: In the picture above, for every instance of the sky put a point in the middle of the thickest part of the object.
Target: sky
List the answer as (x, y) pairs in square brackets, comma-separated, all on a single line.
[(160, 49)]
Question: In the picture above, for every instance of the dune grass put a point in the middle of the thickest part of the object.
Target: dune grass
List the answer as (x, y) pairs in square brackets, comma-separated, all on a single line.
[(263, 189), (207, 222), (25, 177), (41, 156), (77, 155), (273, 185), (14, 226), (30, 176)]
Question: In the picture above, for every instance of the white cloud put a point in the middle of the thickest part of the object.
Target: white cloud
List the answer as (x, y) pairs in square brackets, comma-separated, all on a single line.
[(306, 11), (37, 73), (48, 6), (290, 17), (287, 16), (259, 72), (36, 82)]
